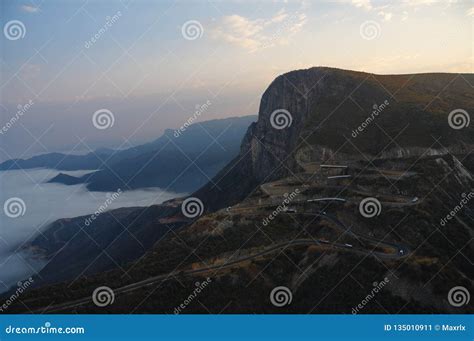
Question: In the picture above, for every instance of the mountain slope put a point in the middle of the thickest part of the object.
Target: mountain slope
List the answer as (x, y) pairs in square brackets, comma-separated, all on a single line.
[(329, 254), (179, 162), (326, 105), (60, 161)]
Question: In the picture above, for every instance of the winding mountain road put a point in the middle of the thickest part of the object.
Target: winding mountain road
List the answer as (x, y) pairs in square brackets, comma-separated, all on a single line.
[(402, 252)]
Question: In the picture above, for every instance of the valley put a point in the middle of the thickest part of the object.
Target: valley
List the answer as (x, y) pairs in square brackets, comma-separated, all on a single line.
[(307, 206)]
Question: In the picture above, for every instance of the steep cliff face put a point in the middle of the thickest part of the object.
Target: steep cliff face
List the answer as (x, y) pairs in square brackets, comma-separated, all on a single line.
[(267, 151), (284, 111), (320, 114), (408, 157)]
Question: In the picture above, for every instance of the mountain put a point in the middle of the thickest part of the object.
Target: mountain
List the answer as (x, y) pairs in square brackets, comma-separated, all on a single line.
[(326, 106), (60, 161), (83, 245), (65, 179), (177, 162), (401, 221), (180, 160)]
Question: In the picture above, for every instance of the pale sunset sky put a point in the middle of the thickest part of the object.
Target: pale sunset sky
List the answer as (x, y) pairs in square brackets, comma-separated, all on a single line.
[(152, 62)]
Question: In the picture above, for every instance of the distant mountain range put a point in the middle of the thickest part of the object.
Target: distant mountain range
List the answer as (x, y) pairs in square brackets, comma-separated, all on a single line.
[(178, 162), (60, 161), (407, 157)]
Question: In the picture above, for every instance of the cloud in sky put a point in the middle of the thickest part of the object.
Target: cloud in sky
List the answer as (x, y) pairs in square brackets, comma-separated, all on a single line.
[(73, 82), (387, 16), (404, 15), (29, 8), (252, 34), (370, 5), (365, 4), (419, 2), (387, 10), (415, 3)]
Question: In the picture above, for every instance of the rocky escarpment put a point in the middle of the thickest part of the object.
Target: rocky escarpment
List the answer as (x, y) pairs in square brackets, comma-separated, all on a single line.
[(411, 244), (323, 113), (408, 158)]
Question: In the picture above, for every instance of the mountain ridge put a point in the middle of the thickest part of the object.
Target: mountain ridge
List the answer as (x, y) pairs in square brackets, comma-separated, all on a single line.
[(416, 178), (209, 144), (309, 94)]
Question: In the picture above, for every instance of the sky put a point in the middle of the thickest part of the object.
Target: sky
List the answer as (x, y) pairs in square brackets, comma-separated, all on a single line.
[(149, 64)]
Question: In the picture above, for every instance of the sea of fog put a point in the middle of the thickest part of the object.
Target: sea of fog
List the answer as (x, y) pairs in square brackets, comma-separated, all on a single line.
[(43, 204)]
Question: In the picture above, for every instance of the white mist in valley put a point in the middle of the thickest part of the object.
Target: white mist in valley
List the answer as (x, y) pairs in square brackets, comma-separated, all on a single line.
[(45, 203)]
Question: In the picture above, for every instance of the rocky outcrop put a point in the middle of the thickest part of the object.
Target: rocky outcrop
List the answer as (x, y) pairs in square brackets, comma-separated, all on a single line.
[(324, 113), (65, 179), (320, 108)]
